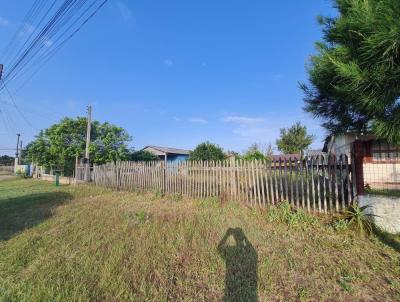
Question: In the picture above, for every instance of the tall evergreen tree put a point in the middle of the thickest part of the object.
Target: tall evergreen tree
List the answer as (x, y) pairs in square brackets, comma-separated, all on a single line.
[(355, 76)]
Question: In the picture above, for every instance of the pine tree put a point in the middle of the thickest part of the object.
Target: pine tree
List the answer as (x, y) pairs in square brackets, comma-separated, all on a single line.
[(355, 77)]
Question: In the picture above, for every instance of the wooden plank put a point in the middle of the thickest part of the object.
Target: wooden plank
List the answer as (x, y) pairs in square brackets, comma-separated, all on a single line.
[(336, 183), (342, 181), (286, 178), (347, 181), (302, 188), (319, 186), (214, 179), (281, 180), (331, 185), (262, 184), (324, 168), (296, 180), (291, 181), (312, 184), (266, 175), (257, 165), (273, 178)]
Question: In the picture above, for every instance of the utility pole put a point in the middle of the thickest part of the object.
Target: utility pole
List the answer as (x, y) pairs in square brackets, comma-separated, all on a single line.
[(87, 153), (89, 128), (17, 153), (20, 151)]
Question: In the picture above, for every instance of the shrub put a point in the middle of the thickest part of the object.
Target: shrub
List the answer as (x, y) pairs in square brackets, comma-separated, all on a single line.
[(207, 151), (357, 217)]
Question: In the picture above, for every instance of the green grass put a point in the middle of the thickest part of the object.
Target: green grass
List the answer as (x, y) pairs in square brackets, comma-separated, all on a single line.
[(91, 244)]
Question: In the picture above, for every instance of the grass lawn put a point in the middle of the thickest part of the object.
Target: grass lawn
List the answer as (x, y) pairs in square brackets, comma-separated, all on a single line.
[(91, 244)]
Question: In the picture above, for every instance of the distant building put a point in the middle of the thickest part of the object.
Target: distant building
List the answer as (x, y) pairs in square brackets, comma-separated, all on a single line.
[(377, 162), (295, 157), (168, 154)]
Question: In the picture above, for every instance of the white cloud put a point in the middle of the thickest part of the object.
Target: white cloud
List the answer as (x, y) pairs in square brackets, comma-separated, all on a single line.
[(198, 120), (4, 22), (266, 129), (168, 62), (124, 11), (243, 120)]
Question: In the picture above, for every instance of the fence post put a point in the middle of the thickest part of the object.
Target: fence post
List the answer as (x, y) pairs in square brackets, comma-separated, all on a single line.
[(357, 167)]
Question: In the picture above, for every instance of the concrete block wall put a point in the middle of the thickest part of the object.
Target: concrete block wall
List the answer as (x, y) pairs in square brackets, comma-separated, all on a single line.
[(387, 210)]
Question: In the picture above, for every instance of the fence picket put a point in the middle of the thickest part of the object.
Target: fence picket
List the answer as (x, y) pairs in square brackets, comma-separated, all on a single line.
[(319, 183)]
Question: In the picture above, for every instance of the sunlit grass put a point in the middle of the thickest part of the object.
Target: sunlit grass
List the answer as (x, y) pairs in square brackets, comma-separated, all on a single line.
[(90, 244)]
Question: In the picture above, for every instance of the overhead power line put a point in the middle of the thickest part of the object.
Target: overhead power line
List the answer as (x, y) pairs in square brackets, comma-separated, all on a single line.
[(17, 108), (48, 26)]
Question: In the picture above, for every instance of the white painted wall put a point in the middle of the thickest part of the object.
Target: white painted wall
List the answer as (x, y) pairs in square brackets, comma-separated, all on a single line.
[(376, 174), (387, 210)]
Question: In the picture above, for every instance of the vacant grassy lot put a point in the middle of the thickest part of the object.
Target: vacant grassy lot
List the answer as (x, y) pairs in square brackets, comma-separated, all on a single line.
[(91, 244)]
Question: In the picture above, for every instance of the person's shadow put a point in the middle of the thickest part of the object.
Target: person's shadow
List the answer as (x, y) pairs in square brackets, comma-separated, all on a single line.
[(241, 266)]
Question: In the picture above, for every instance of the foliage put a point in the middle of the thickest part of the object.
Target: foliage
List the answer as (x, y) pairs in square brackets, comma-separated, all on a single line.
[(359, 218), (340, 225), (143, 155), (61, 143), (294, 139), (253, 153), (207, 151), (6, 160), (355, 77)]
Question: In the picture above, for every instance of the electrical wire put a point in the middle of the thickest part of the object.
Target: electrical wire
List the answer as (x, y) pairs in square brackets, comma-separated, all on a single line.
[(17, 108), (46, 40)]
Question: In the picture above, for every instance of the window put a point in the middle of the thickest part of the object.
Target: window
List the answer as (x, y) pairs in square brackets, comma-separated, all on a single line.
[(382, 151)]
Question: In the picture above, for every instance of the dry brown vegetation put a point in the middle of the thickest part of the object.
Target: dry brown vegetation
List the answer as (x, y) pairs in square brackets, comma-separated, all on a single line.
[(91, 244)]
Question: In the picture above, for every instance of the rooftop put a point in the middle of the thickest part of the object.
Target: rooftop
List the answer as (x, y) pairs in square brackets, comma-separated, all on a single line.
[(169, 150)]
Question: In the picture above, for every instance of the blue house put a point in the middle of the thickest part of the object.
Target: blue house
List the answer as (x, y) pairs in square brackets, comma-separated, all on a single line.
[(168, 154)]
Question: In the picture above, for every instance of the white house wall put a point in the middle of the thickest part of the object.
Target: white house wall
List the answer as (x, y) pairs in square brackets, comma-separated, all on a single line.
[(382, 175)]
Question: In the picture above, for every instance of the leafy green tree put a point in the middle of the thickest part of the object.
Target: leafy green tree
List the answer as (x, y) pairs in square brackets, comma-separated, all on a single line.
[(207, 151), (143, 155), (61, 143), (294, 139), (254, 152), (355, 76), (6, 160)]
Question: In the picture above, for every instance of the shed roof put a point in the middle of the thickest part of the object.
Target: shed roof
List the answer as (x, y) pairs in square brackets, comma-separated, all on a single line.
[(169, 150)]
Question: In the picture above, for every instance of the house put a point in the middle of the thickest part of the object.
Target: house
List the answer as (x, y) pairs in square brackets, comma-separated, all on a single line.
[(296, 157), (168, 154), (376, 162)]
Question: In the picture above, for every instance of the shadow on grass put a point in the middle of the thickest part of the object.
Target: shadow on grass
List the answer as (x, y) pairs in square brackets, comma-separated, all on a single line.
[(390, 240), (20, 213), (241, 266)]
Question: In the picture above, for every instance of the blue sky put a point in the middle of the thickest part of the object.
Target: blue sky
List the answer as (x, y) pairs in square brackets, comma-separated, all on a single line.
[(176, 73)]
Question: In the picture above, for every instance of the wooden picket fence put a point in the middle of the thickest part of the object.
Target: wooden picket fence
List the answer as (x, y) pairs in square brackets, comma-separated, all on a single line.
[(317, 184)]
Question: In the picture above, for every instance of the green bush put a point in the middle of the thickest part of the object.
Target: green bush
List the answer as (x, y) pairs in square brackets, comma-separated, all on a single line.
[(358, 218)]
